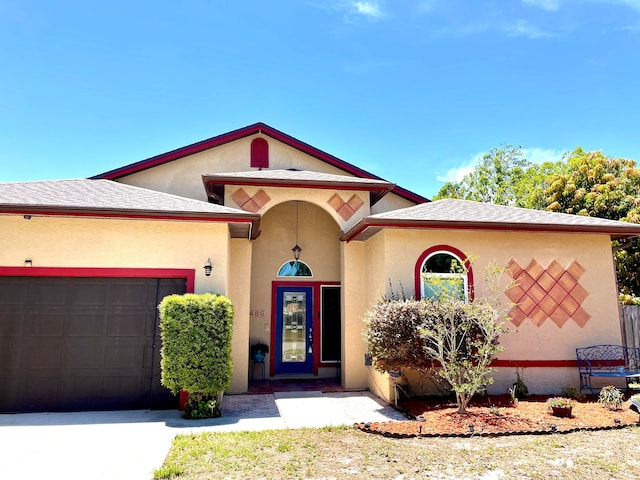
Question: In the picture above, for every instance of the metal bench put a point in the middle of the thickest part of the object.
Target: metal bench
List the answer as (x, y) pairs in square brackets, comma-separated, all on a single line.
[(607, 361)]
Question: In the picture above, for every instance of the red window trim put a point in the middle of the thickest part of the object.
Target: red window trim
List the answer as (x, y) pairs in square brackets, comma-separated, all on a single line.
[(443, 248), (188, 274)]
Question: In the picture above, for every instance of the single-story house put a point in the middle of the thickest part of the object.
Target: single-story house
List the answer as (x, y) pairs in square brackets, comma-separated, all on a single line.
[(302, 242)]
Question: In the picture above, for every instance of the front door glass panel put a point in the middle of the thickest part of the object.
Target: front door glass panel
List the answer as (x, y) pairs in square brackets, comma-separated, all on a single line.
[(294, 327)]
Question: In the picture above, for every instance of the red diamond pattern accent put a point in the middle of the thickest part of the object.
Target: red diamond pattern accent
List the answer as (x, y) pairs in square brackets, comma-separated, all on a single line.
[(345, 209), (551, 293), (249, 203)]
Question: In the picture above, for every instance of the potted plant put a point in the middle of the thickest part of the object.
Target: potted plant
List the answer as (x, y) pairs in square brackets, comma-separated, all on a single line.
[(259, 351), (561, 406)]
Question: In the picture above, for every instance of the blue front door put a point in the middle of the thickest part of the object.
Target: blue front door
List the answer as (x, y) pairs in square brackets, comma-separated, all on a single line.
[(294, 330)]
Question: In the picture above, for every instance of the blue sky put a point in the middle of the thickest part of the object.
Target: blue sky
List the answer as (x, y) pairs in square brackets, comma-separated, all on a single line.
[(411, 90)]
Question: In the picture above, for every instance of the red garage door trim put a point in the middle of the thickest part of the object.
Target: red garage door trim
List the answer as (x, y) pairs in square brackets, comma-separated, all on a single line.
[(188, 274)]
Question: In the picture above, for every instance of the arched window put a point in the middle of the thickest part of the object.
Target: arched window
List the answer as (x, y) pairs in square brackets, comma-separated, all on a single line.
[(294, 268), (444, 271), (259, 153)]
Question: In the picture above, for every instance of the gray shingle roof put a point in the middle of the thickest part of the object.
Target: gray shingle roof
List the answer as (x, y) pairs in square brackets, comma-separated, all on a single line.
[(299, 176), (450, 213), (102, 195)]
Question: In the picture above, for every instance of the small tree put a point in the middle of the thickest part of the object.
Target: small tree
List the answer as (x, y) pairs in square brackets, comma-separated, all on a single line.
[(196, 335), (463, 338), (457, 341)]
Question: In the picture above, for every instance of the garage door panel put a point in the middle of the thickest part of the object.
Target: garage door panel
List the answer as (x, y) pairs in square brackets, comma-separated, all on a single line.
[(39, 391), (85, 324), (83, 357), (9, 356), (120, 356), (11, 324), (87, 293), (127, 325), (41, 357), (132, 293), (47, 292), (80, 392), (12, 293), (45, 324), (82, 343)]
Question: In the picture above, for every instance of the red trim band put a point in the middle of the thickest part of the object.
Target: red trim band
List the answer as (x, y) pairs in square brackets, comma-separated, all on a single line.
[(188, 274), (535, 363)]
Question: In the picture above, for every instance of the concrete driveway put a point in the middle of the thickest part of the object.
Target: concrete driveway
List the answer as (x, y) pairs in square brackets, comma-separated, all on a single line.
[(131, 444)]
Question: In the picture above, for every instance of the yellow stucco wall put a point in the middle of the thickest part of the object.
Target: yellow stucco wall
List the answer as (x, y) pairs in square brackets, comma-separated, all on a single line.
[(239, 291), (319, 197), (184, 176), (100, 243), (402, 248)]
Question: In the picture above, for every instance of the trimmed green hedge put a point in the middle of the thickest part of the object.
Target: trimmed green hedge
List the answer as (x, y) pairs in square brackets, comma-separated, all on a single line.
[(196, 335)]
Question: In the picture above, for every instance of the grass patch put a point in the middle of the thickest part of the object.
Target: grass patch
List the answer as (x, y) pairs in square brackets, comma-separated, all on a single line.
[(343, 452)]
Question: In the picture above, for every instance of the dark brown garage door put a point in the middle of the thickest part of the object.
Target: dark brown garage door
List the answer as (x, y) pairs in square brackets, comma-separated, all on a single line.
[(81, 343)]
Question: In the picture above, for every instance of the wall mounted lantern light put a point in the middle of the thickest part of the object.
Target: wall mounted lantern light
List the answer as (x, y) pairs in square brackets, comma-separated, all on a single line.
[(208, 267)]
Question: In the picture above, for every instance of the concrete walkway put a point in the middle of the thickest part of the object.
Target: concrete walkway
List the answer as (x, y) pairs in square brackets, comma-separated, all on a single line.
[(131, 444)]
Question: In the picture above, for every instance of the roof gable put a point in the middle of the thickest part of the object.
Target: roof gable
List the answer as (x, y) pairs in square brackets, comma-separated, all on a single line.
[(256, 128)]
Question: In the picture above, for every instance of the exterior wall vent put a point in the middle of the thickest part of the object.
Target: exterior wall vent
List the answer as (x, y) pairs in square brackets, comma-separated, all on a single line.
[(259, 153)]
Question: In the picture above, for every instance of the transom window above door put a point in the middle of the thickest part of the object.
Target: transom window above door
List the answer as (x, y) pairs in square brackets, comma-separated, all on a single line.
[(295, 268)]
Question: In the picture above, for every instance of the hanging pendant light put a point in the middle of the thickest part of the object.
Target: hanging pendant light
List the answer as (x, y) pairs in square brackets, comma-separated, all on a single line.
[(296, 249)]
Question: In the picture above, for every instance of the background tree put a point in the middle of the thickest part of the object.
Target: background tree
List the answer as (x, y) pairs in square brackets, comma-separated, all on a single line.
[(583, 183), (503, 177), (595, 185)]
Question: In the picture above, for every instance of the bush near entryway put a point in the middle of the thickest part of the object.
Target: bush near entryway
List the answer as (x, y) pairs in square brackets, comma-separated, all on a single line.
[(456, 340), (196, 335)]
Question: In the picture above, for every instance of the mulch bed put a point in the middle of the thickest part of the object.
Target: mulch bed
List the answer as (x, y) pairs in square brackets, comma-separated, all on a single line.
[(497, 415)]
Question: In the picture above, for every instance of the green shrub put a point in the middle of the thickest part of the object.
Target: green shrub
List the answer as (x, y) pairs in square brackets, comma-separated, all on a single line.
[(460, 339), (196, 335), (569, 391), (519, 388), (611, 397), (393, 335)]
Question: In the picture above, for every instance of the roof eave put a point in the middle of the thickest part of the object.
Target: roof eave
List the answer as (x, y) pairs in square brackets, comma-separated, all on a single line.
[(357, 232), (253, 220)]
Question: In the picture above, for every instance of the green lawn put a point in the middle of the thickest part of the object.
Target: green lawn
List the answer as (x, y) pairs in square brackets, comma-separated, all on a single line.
[(348, 453)]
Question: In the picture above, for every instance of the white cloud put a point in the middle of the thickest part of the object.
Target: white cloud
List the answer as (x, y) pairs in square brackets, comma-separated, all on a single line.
[(368, 9), (534, 155), (541, 155), (457, 173), (550, 5), (523, 28)]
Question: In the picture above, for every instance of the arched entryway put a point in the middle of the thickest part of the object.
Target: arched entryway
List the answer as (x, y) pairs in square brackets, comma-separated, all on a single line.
[(295, 302)]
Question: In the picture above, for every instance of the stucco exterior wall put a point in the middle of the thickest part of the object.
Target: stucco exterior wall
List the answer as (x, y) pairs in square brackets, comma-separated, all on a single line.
[(547, 343), (319, 197), (184, 176), (100, 243), (390, 202), (239, 291), (354, 293)]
